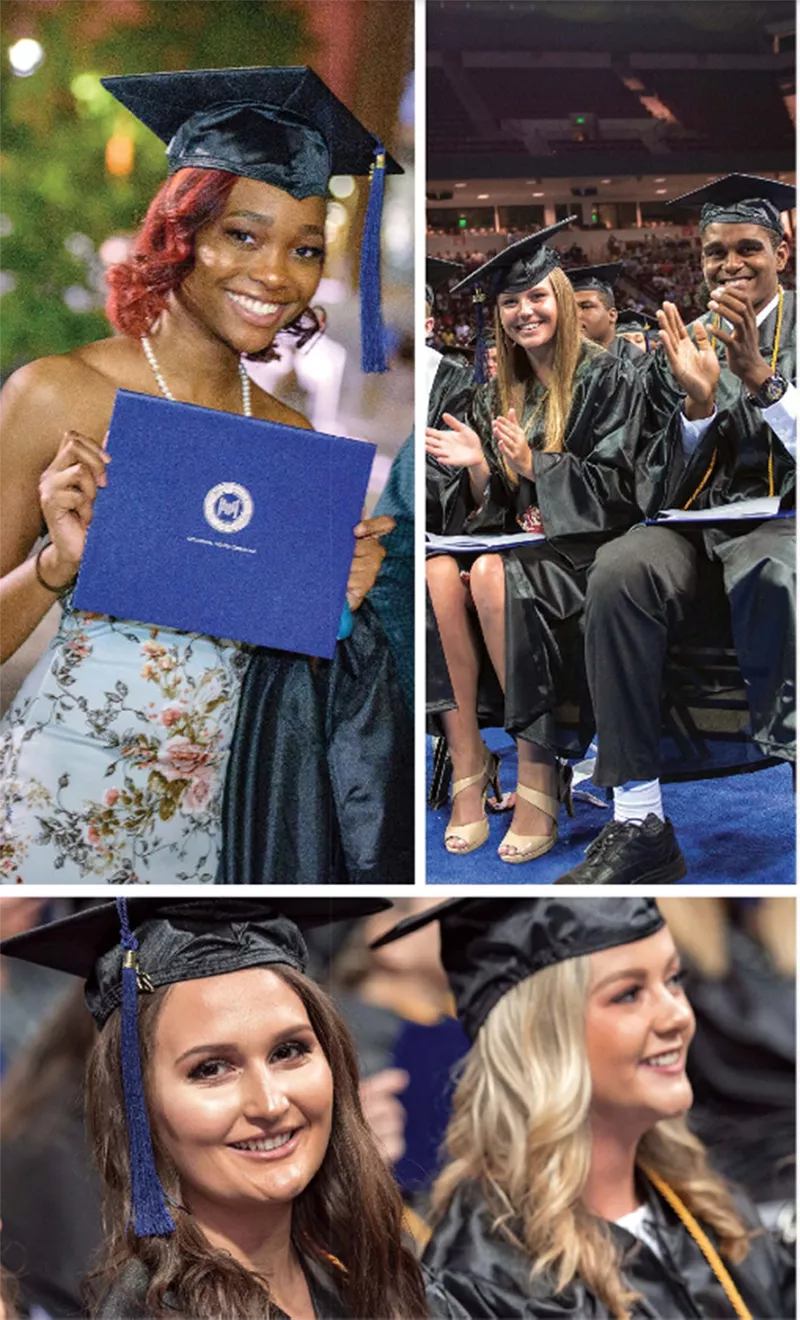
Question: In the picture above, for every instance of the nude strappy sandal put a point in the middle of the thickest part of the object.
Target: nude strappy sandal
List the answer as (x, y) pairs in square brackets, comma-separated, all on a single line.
[(474, 834), (531, 846)]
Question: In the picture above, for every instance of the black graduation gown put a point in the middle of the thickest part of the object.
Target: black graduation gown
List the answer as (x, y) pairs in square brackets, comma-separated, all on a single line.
[(586, 494), (757, 560), (741, 438), (451, 391), (126, 1301), (483, 1272), (623, 348), (51, 1194), (320, 782), (742, 1068)]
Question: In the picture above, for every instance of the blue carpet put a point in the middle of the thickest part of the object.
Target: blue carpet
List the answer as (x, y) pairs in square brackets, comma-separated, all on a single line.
[(737, 830)]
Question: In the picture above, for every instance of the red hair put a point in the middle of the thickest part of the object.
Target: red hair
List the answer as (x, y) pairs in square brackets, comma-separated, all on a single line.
[(163, 254), (163, 251)]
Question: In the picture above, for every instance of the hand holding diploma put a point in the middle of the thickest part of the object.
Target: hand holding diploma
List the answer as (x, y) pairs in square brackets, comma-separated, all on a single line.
[(67, 491)]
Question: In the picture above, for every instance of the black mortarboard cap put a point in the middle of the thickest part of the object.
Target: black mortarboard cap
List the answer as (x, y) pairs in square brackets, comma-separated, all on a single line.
[(279, 126), (519, 266), (180, 939), (630, 321), (740, 199), (437, 273), (489, 945), (602, 278), (144, 943)]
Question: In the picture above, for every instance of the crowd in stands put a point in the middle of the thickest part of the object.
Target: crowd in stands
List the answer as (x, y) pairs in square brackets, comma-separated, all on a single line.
[(661, 268)]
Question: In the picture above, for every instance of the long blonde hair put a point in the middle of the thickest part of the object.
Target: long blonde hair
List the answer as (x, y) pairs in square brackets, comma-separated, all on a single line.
[(514, 368), (520, 1127)]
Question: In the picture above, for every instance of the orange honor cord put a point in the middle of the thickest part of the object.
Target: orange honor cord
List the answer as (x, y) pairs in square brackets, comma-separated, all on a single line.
[(703, 1241)]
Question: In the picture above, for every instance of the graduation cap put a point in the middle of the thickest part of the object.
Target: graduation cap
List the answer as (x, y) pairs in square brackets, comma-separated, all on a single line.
[(599, 278), (141, 944), (520, 266), (489, 945), (278, 126), (633, 322), (437, 273), (740, 199)]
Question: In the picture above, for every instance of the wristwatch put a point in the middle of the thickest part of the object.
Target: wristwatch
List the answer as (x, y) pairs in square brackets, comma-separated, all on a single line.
[(773, 389)]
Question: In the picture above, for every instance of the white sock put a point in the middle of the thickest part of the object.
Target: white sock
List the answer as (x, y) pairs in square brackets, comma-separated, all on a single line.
[(634, 801)]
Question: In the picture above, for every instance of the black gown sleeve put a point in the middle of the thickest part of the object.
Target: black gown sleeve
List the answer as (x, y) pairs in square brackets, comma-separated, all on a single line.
[(591, 485), (457, 512)]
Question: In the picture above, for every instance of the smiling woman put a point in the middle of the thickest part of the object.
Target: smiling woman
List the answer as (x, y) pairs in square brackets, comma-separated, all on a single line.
[(116, 750), (574, 1186), (553, 446), (240, 1176)]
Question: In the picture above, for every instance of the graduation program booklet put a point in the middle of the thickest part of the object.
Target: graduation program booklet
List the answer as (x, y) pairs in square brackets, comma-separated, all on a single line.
[(227, 525), (764, 506), (478, 544)]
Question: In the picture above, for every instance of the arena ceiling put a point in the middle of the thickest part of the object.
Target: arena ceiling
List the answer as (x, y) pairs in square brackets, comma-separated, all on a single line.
[(578, 88)]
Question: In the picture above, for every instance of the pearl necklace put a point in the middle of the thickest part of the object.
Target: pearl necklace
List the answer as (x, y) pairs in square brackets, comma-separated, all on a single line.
[(167, 392)]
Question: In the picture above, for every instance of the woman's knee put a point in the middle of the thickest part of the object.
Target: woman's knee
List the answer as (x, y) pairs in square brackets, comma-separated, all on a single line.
[(442, 574), (487, 582)]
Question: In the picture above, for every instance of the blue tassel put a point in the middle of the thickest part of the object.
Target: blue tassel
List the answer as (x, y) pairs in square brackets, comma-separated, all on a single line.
[(345, 623), (480, 368), (373, 348), (151, 1218)]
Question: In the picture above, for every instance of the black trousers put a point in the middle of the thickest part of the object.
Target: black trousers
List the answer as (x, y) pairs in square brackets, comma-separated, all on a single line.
[(655, 585)]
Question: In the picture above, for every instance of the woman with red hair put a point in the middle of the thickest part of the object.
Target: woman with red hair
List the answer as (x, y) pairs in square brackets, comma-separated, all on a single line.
[(116, 748)]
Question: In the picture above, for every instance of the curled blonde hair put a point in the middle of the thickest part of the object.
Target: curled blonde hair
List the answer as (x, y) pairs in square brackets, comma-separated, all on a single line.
[(520, 1127), (514, 368)]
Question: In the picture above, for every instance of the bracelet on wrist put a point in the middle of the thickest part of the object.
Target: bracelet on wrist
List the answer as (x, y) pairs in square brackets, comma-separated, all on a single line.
[(56, 591)]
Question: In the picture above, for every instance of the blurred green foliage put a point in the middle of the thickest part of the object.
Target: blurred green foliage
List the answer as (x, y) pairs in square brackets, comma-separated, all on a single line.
[(55, 125)]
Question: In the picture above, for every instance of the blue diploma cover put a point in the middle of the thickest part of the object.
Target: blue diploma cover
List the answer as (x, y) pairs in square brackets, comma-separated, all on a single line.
[(226, 525)]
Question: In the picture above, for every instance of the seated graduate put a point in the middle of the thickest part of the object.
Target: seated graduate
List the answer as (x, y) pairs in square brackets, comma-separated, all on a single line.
[(574, 1186), (116, 748), (636, 328), (597, 309), (551, 446), (449, 384), (728, 385), (239, 1175), (446, 378)]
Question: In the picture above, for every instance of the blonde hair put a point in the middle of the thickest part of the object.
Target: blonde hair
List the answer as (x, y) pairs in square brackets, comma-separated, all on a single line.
[(520, 1127), (514, 368)]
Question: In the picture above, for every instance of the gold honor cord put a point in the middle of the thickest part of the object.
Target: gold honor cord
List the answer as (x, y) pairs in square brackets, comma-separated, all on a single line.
[(703, 1241), (776, 343)]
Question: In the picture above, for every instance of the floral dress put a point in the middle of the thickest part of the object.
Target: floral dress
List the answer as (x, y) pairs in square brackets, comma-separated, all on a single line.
[(114, 754)]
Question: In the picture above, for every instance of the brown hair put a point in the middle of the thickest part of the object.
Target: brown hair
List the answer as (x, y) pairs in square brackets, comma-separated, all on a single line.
[(51, 1066), (9, 1294), (514, 369), (520, 1128), (375, 1273)]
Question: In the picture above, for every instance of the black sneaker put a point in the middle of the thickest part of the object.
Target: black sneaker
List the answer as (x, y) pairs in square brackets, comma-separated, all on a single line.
[(629, 854)]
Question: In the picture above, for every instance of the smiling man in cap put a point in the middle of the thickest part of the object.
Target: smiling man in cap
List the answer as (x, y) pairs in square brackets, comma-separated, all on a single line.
[(728, 384)]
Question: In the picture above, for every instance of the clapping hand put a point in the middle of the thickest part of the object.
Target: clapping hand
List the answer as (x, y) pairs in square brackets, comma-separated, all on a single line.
[(694, 363), (513, 444), (741, 341), (458, 447)]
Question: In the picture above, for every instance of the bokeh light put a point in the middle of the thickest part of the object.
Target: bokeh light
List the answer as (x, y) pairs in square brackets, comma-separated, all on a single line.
[(25, 56)]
